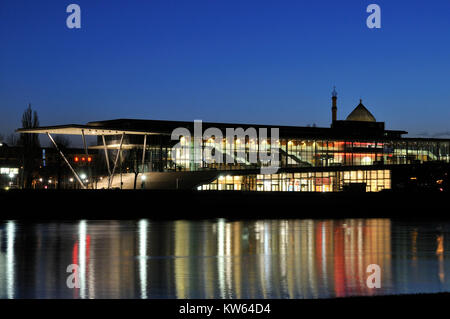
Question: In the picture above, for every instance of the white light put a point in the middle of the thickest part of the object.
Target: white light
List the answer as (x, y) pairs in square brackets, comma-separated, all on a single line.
[(366, 160), (221, 254), (40, 179), (144, 177), (11, 175), (83, 176), (10, 238), (71, 180), (82, 235), (143, 230), (49, 181)]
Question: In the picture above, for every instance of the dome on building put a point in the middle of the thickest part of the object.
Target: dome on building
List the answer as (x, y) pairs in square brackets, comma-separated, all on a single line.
[(360, 113)]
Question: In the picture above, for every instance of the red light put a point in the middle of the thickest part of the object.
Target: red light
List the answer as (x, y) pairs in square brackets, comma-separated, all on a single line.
[(89, 159), (83, 159), (76, 159)]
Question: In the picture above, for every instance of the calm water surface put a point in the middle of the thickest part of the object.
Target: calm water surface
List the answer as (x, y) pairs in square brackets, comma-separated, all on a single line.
[(222, 259)]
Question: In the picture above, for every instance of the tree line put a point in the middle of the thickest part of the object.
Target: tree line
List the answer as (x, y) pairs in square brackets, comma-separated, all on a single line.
[(29, 147)]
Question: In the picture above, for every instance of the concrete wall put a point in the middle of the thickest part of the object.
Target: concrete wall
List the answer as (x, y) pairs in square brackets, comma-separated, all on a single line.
[(162, 180)]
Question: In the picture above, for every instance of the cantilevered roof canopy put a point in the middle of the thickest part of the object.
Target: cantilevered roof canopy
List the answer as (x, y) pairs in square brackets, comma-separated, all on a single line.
[(162, 127), (75, 129), (115, 146)]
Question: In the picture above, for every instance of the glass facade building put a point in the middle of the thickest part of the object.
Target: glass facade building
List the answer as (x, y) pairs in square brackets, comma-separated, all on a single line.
[(356, 152), (297, 153), (372, 180), (325, 163)]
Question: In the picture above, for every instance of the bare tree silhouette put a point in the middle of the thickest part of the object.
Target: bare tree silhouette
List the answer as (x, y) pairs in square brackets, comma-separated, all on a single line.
[(30, 146)]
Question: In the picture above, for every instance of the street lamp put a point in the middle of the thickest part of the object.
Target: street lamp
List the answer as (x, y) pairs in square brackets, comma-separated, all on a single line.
[(143, 178), (11, 176)]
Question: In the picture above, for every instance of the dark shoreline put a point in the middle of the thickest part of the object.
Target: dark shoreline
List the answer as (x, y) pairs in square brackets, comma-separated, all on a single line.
[(170, 204)]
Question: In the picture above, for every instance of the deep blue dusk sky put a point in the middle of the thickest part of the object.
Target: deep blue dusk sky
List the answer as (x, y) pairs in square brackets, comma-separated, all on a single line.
[(244, 61)]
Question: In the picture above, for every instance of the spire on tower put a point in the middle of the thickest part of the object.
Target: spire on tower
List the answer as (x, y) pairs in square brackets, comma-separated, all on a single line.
[(334, 105), (334, 93)]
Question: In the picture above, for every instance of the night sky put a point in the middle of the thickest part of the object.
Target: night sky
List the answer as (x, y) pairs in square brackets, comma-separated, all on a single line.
[(243, 61)]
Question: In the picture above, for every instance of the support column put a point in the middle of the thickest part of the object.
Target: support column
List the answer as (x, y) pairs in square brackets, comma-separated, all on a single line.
[(116, 160), (106, 157), (121, 166), (143, 152), (87, 156), (67, 162)]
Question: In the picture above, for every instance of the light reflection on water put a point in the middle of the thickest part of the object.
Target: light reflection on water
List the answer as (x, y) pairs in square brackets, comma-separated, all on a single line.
[(222, 259)]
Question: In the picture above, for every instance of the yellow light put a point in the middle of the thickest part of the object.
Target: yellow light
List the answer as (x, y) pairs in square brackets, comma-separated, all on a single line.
[(413, 178)]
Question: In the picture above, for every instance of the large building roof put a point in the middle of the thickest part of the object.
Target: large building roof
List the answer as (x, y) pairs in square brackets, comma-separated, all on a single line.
[(361, 114), (158, 127)]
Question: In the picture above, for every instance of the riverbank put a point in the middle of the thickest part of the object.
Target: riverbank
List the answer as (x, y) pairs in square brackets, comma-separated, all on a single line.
[(163, 204)]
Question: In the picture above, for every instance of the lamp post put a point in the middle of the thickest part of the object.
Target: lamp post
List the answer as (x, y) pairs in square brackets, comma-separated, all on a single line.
[(143, 178), (11, 176)]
